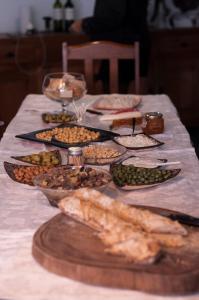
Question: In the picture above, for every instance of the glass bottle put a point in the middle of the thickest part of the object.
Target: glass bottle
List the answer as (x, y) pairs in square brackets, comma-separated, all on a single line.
[(57, 16), (153, 123), (75, 157), (68, 14)]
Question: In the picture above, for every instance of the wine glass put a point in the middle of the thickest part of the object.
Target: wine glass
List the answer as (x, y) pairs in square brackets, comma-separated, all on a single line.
[(64, 87)]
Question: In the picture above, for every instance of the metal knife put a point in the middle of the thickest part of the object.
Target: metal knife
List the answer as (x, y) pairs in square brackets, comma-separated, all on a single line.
[(94, 112), (133, 125), (184, 219), (173, 215)]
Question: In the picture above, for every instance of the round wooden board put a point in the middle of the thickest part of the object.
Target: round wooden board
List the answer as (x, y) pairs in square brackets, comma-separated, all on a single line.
[(69, 248)]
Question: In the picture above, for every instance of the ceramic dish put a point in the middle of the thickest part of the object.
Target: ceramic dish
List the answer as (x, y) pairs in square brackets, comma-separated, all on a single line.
[(24, 173), (60, 184), (104, 135), (117, 102), (93, 156), (133, 178), (44, 158), (141, 161), (137, 141)]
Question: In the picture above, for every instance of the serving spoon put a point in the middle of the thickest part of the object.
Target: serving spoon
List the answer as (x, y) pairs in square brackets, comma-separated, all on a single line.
[(155, 164)]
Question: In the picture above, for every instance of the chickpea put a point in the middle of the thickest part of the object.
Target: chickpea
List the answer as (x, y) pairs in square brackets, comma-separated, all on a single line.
[(27, 174)]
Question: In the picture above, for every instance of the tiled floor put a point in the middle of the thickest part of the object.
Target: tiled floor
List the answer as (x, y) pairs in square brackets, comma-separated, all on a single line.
[(194, 134)]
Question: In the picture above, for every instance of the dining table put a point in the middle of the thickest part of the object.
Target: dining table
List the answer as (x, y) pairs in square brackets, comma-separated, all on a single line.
[(23, 208)]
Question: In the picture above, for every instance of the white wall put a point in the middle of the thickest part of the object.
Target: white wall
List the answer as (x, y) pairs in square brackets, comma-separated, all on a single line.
[(11, 10)]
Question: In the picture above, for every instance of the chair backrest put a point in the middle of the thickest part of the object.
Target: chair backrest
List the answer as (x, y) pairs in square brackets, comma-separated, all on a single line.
[(103, 50)]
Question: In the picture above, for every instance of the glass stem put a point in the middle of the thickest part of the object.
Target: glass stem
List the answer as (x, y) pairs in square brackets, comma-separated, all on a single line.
[(64, 107)]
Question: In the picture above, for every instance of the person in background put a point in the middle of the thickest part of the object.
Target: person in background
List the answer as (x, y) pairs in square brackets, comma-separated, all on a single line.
[(122, 21)]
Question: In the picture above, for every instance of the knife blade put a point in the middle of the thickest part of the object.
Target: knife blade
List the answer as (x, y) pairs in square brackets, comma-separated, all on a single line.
[(173, 215), (133, 125), (185, 219), (94, 112)]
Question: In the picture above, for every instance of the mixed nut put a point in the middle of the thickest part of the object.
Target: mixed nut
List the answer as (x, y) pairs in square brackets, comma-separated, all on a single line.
[(26, 174), (74, 178), (100, 154), (93, 151)]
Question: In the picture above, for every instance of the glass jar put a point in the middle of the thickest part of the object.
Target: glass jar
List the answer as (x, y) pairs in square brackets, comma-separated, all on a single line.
[(75, 157), (153, 123)]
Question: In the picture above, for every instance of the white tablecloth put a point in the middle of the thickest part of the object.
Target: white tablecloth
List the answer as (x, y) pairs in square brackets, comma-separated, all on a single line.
[(23, 209)]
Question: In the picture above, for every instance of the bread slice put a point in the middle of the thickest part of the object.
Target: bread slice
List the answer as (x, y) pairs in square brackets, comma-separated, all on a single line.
[(137, 249), (170, 240), (147, 220), (117, 101), (122, 234)]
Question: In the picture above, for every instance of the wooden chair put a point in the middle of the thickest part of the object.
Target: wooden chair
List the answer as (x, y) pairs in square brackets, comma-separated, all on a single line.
[(103, 50), (2, 128)]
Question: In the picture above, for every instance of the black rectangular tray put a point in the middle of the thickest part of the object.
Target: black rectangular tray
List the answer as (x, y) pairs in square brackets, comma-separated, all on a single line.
[(104, 136)]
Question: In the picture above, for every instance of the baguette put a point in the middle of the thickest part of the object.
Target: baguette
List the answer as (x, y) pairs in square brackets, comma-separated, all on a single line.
[(148, 221), (141, 249)]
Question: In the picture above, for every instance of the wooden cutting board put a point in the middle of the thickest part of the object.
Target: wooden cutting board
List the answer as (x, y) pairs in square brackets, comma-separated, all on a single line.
[(69, 248)]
